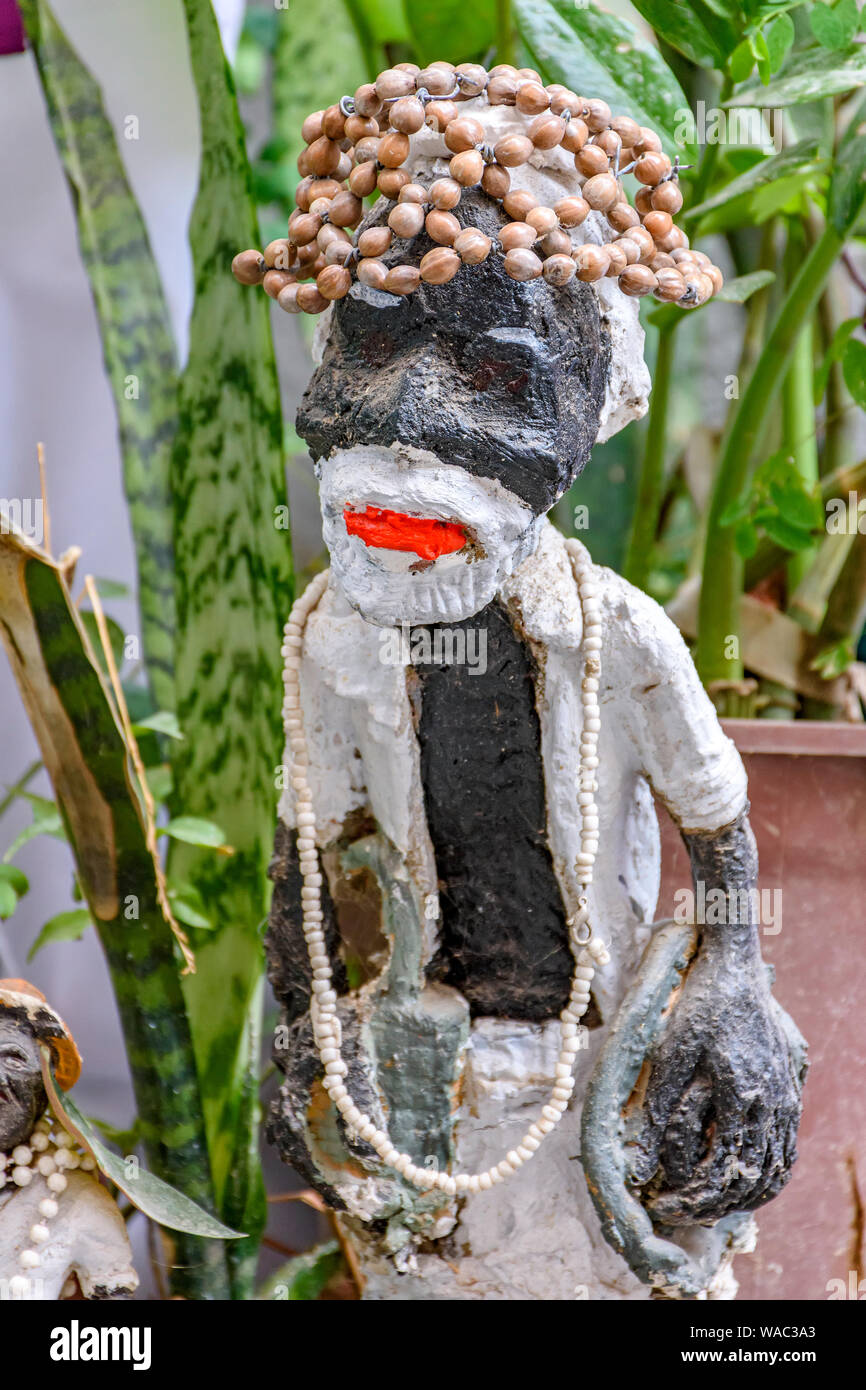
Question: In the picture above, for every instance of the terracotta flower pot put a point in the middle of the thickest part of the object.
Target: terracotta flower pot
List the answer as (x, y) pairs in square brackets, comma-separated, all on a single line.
[(807, 785)]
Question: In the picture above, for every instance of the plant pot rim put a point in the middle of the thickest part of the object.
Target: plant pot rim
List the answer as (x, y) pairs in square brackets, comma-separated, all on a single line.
[(809, 738)]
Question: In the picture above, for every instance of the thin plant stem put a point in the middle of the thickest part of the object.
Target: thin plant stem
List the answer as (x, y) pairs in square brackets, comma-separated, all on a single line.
[(652, 477), (504, 32), (798, 425)]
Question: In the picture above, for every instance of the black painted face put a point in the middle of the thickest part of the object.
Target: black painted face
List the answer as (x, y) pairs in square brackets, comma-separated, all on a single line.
[(22, 1095), (502, 378)]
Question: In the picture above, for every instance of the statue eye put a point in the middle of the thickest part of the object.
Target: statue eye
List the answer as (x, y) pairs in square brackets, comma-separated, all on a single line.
[(15, 1057)]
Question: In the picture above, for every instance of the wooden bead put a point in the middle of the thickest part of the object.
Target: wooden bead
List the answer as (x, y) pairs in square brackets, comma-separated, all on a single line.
[(472, 78), (472, 246), (328, 234), (303, 163), (651, 168), (279, 254), (662, 261), (406, 219), (440, 114), (309, 299), (644, 240), (575, 136), (622, 216), (344, 166), (288, 299), (504, 70), (566, 100), (334, 123), (304, 228), (617, 260), (513, 150), (442, 227), (308, 252), (667, 198), (670, 285), (609, 141), (467, 167), (402, 279), (346, 210), (502, 90), (374, 241), (366, 150), (337, 251), (556, 243), (530, 75), (362, 179), (647, 143), (320, 207), (546, 131), (637, 280), (542, 219), (495, 181), (390, 181), (360, 127), (532, 99), (658, 224), (367, 100), (601, 191), (558, 270), (629, 249), (406, 115), (627, 129), (464, 134), (312, 127), (445, 194), (412, 193), (324, 188), (518, 203), (334, 282), (598, 115), (302, 193), (571, 211), (439, 266), (274, 281), (248, 267), (522, 264), (592, 160), (517, 234), (717, 278), (414, 68), (394, 83), (373, 273), (393, 149), (643, 201), (437, 80), (703, 285), (591, 262), (323, 155)]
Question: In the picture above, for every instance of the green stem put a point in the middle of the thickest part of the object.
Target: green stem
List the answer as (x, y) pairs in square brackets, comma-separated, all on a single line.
[(504, 32), (718, 646), (798, 422), (652, 477)]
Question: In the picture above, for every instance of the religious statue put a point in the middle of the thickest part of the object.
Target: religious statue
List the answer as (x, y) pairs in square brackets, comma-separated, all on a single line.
[(503, 1076)]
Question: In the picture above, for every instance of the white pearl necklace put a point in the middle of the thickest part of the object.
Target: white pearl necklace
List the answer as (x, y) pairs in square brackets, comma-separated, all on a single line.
[(587, 950), (50, 1153)]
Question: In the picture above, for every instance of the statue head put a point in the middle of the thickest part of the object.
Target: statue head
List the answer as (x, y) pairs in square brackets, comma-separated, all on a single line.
[(446, 423), (26, 1022)]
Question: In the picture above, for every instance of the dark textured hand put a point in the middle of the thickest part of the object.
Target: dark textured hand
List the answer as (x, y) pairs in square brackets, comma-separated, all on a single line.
[(716, 1131)]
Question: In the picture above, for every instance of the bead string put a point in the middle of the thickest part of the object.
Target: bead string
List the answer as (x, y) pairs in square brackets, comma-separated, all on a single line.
[(49, 1152), (357, 147), (587, 950)]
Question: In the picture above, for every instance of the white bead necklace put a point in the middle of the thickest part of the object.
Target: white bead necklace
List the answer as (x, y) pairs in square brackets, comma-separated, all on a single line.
[(587, 950), (49, 1152)]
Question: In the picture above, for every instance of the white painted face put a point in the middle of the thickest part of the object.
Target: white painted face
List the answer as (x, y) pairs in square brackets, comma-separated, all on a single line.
[(388, 587)]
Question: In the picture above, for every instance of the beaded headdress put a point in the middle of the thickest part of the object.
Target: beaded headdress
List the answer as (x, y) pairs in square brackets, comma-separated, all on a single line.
[(483, 128)]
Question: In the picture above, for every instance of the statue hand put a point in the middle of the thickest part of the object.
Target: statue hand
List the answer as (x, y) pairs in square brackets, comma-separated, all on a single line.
[(716, 1131)]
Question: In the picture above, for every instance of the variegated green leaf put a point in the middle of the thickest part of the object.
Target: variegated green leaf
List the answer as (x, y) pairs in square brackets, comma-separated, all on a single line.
[(137, 341)]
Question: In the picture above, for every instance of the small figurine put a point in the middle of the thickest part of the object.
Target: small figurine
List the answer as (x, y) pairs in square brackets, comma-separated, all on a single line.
[(60, 1230), (507, 1081)]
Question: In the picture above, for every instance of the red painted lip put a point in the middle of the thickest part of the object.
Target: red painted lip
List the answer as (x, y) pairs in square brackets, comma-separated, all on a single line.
[(388, 530)]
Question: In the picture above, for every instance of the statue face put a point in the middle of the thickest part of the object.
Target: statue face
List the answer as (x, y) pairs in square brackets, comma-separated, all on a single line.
[(468, 408), (22, 1095)]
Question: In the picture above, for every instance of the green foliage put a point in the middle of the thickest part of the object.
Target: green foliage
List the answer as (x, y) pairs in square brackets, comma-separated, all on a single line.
[(66, 926), (304, 1278), (450, 29)]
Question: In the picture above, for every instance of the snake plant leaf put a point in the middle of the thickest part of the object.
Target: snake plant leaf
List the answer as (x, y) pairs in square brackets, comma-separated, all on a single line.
[(233, 596), (808, 76), (87, 761), (137, 342), (599, 55), (161, 1202)]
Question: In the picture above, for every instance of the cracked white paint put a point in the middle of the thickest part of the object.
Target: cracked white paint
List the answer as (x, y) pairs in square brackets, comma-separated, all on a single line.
[(87, 1238)]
